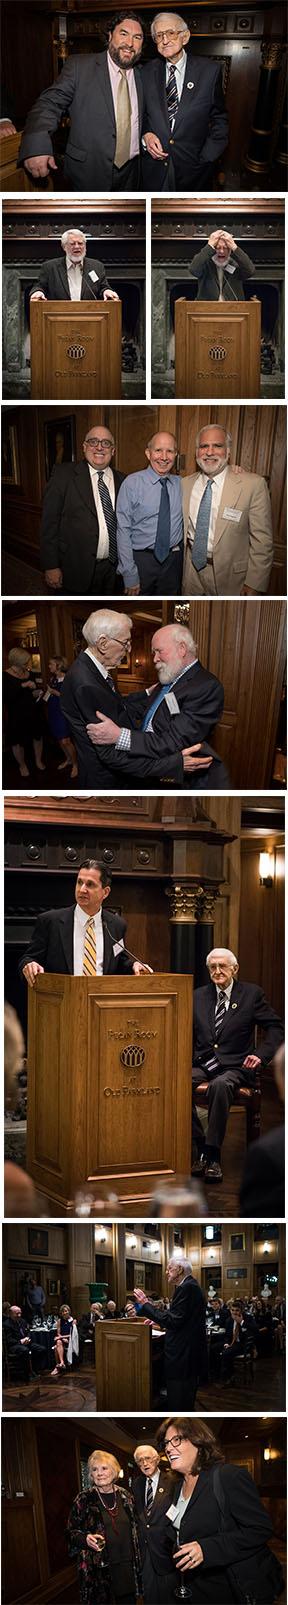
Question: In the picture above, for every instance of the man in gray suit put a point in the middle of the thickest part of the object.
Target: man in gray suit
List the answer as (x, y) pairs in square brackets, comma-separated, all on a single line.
[(103, 97), (221, 269), (227, 523)]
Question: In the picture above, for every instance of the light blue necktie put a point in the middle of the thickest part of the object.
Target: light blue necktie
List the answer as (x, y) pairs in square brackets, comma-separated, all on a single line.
[(200, 543), (156, 703), (162, 543)]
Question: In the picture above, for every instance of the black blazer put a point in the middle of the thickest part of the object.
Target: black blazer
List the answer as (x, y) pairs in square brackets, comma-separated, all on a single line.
[(184, 1325), (83, 90), (53, 280), (69, 530), (154, 1529), (263, 1184), (200, 130), (248, 1529), (84, 690), (196, 705), (51, 943), (204, 269), (248, 1007)]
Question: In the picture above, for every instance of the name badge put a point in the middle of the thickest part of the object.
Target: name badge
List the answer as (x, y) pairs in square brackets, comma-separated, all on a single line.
[(93, 275), (231, 512), (172, 703), (117, 947), (171, 1512)]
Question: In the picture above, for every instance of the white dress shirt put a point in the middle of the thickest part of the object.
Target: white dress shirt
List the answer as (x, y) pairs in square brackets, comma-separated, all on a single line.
[(194, 504), (154, 1481), (100, 666), (115, 75), (108, 476), (226, 993), (74, 276), (80, 921)]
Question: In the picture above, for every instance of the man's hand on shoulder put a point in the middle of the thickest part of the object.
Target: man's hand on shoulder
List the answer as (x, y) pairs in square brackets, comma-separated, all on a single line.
[(105, 733)]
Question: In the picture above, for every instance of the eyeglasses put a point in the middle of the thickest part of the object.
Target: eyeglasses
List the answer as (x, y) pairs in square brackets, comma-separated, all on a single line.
[(127, 643), (170, 33), (103, 445), (172, 1443)]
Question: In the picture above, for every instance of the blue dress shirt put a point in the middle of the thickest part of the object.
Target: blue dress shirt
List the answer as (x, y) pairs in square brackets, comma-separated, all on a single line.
[(137, 517)]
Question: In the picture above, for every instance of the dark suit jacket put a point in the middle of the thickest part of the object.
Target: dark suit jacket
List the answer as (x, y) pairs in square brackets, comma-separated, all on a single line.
[(69, 531), (154, 1530), (83, 90), (248, 1008), (53, 279), (200, 130), (263, 1184), (185, 1331), (198, 704), (51, 943), (204, 269), (241, 1542), (156, 756)]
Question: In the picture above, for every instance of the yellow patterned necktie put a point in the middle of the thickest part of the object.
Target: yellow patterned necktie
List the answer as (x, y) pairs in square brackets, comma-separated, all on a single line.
[(123, 123), (89, 955)]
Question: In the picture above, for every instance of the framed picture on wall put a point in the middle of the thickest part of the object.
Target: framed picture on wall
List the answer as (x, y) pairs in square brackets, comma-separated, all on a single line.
[(237, 1242), (38, 1242), (60, 441), (10, 455), (140, 1274)]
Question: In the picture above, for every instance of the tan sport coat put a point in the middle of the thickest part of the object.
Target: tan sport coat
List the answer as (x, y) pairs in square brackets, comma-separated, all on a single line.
[(243, 547)]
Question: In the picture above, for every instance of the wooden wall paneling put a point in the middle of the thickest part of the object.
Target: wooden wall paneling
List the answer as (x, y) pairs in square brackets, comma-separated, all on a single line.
[(59, 1485), (247, 652), (81, 1259), (227, 814), (132, 427), (261, 942)]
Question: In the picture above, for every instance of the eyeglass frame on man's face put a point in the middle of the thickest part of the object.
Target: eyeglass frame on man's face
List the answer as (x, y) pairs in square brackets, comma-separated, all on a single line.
[(94, 441), (126, 643), (170, 33)]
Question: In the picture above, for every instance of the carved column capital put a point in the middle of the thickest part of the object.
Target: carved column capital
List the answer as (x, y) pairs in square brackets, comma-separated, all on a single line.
[(184, 902), (207, 911)]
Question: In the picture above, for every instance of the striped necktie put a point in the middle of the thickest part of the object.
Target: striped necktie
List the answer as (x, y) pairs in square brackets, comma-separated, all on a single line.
[(89, 955), (220, 1011), (149, 1495), (162, 543), (109, 515), (200, 543), (172, 96)]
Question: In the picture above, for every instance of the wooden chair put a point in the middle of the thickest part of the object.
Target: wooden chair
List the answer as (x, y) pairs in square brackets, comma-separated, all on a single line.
[(248, 1098)]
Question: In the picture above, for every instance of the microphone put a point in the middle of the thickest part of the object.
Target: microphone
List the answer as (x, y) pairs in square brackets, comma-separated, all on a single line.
[(133, 956), (93, 292)]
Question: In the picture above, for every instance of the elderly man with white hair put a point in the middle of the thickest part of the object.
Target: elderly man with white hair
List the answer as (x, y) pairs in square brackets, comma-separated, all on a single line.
[(76, 278), (227, 523), (153, 1493), (185, 1332), (173, 723), (226, 1012), (185, 127)]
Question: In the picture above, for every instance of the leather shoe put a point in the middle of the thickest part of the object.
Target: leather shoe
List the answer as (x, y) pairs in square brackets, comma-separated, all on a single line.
[(213, 1171), (199, 1166)]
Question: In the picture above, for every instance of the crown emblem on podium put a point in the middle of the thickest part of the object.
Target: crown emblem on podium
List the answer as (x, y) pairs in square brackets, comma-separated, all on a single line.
[(133, 1057), (76, 352), (217, 353)]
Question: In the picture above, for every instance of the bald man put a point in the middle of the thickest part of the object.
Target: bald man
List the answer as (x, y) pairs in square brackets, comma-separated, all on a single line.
[(150, 523), (227, 523), (225, 1015), (76, 278)]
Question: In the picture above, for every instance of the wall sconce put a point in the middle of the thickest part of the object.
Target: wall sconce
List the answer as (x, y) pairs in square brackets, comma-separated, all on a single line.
[(131, 1242), (266, 869), (266, 1248), (100, 1234)]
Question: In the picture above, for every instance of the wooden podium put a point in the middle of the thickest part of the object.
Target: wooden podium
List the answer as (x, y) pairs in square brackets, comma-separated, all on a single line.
[(109, 1082), (11, 176), (76, 350), (217, 349), (123, 1352)]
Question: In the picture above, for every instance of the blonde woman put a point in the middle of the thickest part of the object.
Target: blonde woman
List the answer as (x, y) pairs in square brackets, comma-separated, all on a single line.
[(103, 1538), (24, 720), (65, 1325)]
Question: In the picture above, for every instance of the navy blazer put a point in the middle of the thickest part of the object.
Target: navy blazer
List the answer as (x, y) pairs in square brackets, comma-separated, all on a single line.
[(51, 943), (200, 130), (184, 1325), (83, 90), (248, 1007)]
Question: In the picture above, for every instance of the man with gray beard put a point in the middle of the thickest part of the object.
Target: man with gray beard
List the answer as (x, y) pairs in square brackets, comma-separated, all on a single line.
[(227, 523)]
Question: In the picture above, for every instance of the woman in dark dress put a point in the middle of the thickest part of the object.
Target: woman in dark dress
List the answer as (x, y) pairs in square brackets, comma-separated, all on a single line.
[(24, 718), (103, 1537), (218, 1521), (65, 1324), (56, 719)]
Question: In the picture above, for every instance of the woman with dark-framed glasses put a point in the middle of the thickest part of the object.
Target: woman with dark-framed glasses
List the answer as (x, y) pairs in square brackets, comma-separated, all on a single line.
[(219, 1528)]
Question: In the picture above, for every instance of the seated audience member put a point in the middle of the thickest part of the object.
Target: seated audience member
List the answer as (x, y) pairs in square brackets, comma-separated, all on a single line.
[(66, 1330), (263, 1186), (242, 1341), (221, 269), (23, 1352), (78, 278), (279, 1323), (225, 1015), (221, 1333), (263, 1327)]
